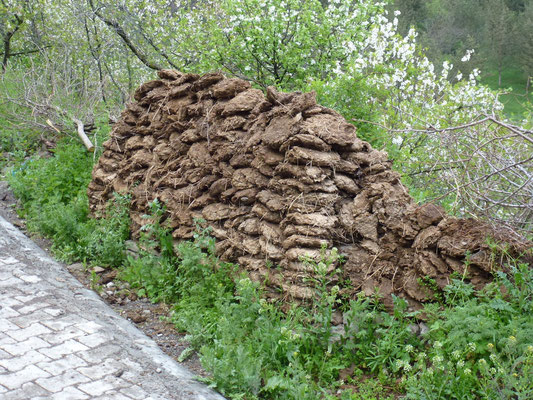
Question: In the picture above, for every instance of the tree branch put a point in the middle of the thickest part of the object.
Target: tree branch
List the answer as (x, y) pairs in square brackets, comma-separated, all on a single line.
[(114, 25)]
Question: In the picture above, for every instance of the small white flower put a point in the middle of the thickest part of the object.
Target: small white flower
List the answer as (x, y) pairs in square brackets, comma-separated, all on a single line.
[(398, 140), (466, 57), (397, 12), (437, 359)]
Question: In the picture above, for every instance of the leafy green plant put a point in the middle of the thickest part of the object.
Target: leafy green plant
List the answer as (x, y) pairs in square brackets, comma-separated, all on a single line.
[(479, 346), (94, 282), (53, 193)]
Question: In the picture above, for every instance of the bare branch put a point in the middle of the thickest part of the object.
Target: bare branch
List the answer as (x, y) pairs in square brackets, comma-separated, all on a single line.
[(124, 36)]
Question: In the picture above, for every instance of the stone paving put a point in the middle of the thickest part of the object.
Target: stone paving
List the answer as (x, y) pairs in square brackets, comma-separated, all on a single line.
[(59, 340)]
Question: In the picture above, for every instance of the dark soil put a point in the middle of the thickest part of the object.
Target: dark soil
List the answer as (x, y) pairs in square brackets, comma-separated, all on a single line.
[(8, 205)]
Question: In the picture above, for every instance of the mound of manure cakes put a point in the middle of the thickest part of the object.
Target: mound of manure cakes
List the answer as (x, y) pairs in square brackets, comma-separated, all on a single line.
[(277, 177)]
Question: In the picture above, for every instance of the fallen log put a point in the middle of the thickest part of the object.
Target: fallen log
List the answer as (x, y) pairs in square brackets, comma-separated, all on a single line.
[(81, 133)]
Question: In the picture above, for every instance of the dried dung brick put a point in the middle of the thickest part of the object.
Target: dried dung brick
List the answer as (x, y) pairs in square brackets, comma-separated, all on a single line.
[(271, 232), (271, 200), (296, 254), (247, 178), (229, 88), (241, 160), (305, 140), (264, 213), (147, 87), (250, 226), (217, 211), (232, 123), (180, 91), (330, 129), (313, 219), (219, 186), (302, 102), (278, 98), (207, 80), (250, 263), (243, 102), (169, 74), (155, 95), (301, 156), (366, 225), (347, 184), (427, 238), (246, 196), (304, 241), (270, 250), (429, 214), (307, 175), (278, 131), (310, 230), (268, 156)]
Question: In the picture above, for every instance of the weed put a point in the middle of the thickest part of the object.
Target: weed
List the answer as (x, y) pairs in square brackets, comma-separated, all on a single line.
[(434, 293), (94, 282), (479, 346), (53, 193)]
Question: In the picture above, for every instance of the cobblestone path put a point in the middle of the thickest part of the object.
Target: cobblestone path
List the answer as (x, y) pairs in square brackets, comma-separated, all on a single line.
[(59, 340)]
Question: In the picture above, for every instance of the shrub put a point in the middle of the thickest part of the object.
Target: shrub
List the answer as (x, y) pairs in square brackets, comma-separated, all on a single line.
[(53, 193)]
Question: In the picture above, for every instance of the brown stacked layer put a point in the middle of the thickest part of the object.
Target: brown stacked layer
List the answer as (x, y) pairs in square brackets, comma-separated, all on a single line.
[(277, 177)]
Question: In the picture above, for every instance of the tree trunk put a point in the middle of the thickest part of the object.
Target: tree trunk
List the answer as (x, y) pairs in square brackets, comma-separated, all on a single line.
[(117, 28), (7, 41), (7, 48)]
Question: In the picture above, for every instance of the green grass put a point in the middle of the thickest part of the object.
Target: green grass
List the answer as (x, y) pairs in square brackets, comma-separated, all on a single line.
[(516, 101)]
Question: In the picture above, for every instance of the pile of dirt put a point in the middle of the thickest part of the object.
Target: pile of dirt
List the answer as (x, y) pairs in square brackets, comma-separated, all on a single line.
[(277, 177)]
